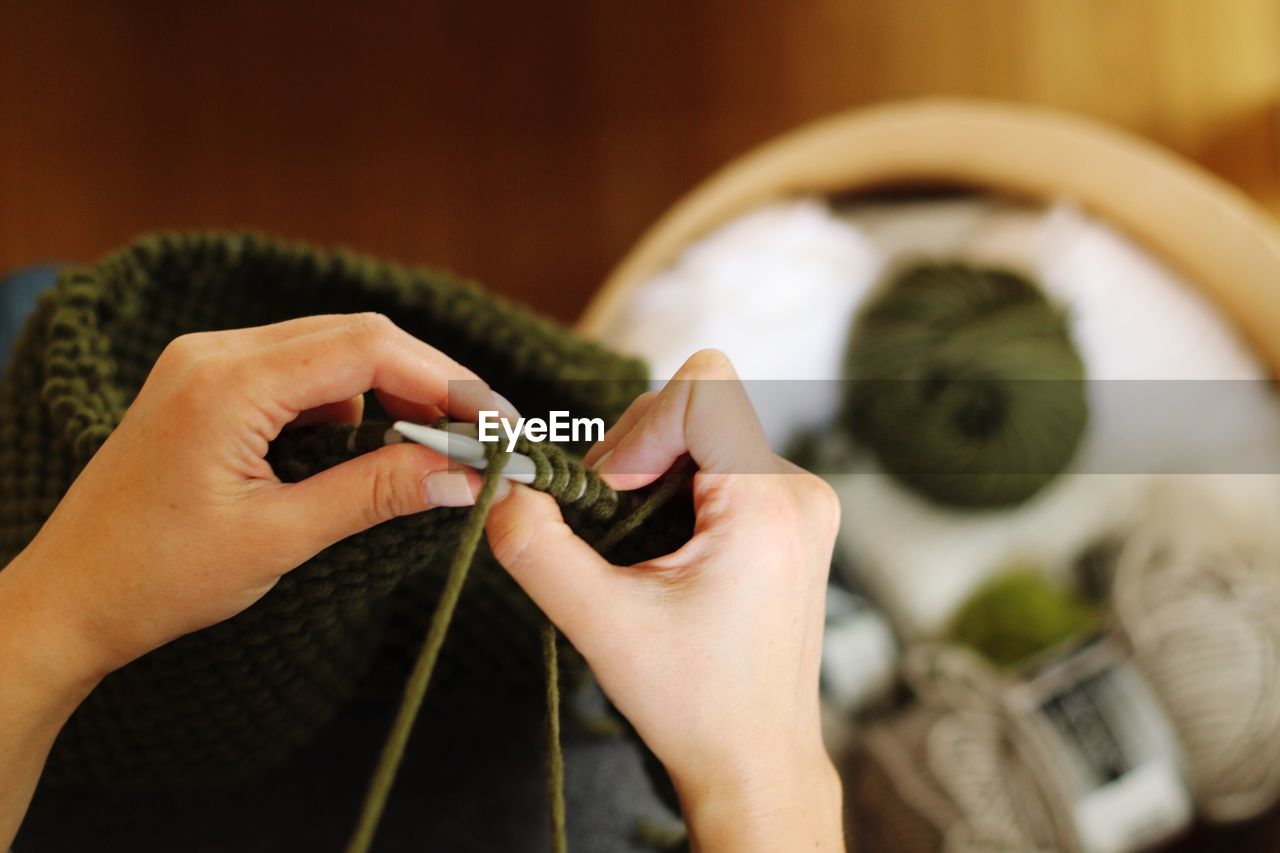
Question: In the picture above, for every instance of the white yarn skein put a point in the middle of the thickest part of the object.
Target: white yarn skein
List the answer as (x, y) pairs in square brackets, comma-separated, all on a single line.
[(776, 290)]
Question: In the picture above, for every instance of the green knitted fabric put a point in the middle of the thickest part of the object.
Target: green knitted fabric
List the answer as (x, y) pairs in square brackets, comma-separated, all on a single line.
[(243, 694), (966, 385)]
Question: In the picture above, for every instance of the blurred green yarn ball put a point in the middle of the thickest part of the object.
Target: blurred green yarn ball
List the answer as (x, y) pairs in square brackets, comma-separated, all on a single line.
[(1016, 615), (965, 384)]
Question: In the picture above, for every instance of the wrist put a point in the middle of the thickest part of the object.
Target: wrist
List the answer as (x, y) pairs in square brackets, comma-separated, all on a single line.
[(793, 801), (46, 660)]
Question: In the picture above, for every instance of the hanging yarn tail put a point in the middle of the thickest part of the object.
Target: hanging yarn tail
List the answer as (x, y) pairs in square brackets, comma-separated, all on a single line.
[(555, 755), (672, 482), (578, 489), (416, 688)]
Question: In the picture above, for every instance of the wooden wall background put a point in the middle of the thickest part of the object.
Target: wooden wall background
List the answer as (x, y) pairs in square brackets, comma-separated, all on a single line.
[(529, 144)]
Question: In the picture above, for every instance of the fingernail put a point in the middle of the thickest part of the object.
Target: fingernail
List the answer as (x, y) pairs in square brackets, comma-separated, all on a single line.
[(448, 488), (505, 408), (599, 463), (474, 394)]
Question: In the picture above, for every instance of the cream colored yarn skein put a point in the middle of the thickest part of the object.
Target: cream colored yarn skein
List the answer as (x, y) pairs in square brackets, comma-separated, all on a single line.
[(1203, 618), (953, 773)]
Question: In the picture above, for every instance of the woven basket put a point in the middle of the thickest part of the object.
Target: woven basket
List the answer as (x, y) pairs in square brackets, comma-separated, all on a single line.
[(1200, 225)]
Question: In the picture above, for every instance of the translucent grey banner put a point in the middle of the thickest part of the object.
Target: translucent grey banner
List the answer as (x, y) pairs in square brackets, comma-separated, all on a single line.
[(935, 426)]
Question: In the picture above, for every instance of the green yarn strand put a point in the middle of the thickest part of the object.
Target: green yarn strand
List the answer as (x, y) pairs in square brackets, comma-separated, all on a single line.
[(558, 475), (555, 755), (675, 479), (416, 688), (965, 385)]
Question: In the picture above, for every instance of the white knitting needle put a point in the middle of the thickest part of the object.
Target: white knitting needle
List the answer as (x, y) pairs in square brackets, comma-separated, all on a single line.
[(460, 444)]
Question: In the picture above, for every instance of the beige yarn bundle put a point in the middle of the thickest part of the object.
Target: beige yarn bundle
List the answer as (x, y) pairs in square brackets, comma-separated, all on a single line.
[(1203, 619), (1198, 611), (955, 772)]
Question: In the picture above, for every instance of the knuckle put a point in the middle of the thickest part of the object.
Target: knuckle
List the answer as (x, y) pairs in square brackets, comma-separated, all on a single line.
[(371, 323), (234, 372), (819, 502), (387, 497), (183, 350), (208, 372), (193, 389), (512, 543), (521, 539), (370, 330)]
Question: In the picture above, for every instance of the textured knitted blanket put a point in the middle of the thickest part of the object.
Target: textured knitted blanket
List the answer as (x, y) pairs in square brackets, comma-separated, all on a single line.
[(242, 694)]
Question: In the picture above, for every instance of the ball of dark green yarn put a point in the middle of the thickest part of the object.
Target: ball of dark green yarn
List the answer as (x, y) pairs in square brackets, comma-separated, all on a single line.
[(1018, 614), (965, 384)]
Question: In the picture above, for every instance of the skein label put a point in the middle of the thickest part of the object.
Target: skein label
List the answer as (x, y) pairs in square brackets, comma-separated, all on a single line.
[(1113, 751)]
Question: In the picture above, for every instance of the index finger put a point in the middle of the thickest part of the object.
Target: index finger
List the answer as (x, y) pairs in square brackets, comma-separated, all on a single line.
[(703, 411), (369, 351)]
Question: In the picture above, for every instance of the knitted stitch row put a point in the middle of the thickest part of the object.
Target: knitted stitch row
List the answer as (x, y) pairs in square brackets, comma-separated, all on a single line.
[(238, 696)]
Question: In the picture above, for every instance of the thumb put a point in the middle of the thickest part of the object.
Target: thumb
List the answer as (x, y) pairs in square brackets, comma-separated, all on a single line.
[(396, 480), (563, 575)]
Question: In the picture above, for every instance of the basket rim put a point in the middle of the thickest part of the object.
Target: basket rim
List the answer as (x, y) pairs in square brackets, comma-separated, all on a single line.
[(1198, 223)]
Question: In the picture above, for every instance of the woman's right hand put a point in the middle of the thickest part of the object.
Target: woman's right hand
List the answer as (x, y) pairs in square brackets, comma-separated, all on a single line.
[(712, 652)]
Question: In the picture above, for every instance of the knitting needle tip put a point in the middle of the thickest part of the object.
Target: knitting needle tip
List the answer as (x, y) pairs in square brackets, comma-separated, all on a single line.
[(462, 447)]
